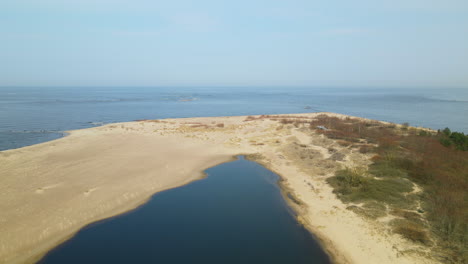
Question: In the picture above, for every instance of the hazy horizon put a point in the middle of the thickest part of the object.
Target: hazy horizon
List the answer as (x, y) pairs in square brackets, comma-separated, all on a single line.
[(261, 86), (185, 43)]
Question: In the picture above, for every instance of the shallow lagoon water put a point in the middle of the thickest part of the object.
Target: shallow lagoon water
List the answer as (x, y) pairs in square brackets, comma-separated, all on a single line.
[(235, 215)]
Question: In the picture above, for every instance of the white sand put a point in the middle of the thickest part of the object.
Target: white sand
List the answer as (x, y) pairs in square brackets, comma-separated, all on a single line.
[(49, 191)]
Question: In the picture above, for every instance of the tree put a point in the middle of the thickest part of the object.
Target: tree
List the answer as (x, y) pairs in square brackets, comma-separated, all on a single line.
[(447, 132)]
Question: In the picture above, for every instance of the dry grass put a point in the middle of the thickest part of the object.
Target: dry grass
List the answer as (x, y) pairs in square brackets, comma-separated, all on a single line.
[(411, 231), (405, 154)]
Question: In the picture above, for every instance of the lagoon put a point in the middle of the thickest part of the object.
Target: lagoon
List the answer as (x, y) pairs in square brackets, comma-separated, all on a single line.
[(237, 214)]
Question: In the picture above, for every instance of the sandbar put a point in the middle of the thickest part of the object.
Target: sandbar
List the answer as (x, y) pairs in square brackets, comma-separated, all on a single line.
[(49, 191)]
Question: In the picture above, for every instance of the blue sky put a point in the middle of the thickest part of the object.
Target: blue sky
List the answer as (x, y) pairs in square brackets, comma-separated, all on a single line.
[(257, 42)]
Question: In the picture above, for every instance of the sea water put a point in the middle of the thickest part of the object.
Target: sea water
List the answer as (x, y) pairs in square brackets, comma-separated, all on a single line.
[(30, 115)]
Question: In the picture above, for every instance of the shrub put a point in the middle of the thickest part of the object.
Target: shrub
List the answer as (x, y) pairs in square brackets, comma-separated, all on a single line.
[(423, 133), (345, 180), (353, 186), (447, 131)]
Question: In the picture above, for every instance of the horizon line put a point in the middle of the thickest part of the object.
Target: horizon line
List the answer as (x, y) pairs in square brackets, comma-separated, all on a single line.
[(244, 86)]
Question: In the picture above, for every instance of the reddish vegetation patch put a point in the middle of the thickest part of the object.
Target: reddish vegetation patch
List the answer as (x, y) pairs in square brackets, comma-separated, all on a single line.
[(441, 171)]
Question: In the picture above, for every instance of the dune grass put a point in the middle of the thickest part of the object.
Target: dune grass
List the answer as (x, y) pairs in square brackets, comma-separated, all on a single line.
[(354, 187), (436, 161)]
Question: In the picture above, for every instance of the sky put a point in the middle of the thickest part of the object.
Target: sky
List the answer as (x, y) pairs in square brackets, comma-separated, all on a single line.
[(400, 43)]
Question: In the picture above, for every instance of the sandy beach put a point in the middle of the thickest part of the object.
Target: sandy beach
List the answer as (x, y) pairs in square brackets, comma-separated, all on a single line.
[(51, 190)]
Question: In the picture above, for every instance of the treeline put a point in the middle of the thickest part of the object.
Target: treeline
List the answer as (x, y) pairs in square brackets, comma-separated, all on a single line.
[(457, 139), (438, 162)]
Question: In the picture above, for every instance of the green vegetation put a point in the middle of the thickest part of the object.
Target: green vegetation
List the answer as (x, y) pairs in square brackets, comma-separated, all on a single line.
[(386, 168), (437, 162), (352, 186), (457, 139)]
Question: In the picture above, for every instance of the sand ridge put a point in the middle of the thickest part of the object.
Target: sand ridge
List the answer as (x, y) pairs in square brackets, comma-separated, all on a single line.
[(51, 190)]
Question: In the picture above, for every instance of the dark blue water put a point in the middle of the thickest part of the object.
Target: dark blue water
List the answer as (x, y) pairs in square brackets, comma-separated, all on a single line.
[(34, 115), (235, 215)]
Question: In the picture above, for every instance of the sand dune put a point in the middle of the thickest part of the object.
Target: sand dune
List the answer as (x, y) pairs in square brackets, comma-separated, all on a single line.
[(49, 191)]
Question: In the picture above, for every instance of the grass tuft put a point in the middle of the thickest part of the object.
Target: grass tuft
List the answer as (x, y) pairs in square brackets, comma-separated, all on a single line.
[(411, 231)]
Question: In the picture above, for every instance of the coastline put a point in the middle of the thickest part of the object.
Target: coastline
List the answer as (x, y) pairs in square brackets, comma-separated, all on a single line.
[(131, 208), (63, 185), (12, 248)]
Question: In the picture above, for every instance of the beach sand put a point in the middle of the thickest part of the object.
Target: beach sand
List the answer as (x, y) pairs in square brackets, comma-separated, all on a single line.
[(51, 190)]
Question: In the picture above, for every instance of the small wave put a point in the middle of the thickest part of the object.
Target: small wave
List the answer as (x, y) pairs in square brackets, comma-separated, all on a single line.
[(97, 123), (187, 99), (448, 100), (40, 131), (311, 109), (416, 99), (85, 101)]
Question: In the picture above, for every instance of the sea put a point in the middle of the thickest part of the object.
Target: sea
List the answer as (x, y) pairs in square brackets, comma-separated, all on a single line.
[(31, 115)]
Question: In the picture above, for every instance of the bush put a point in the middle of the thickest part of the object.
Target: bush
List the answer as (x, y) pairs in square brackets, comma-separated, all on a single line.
[(449, 138), (353, 186), (446, 142), (423, 133), (352, 177), (447, 131), (345, 180), (460, 140)]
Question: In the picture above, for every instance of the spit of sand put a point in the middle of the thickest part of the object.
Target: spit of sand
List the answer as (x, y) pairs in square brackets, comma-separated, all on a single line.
[(51, 190)]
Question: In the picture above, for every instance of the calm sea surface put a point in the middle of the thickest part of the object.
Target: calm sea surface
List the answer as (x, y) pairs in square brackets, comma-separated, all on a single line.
[(33, 115), (235, 215)]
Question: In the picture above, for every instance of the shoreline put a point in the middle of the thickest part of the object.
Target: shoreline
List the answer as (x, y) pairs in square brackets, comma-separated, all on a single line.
[(284, 190), (131, 209), (58, 187), (294, 205), (325, 245), (124, 210)]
